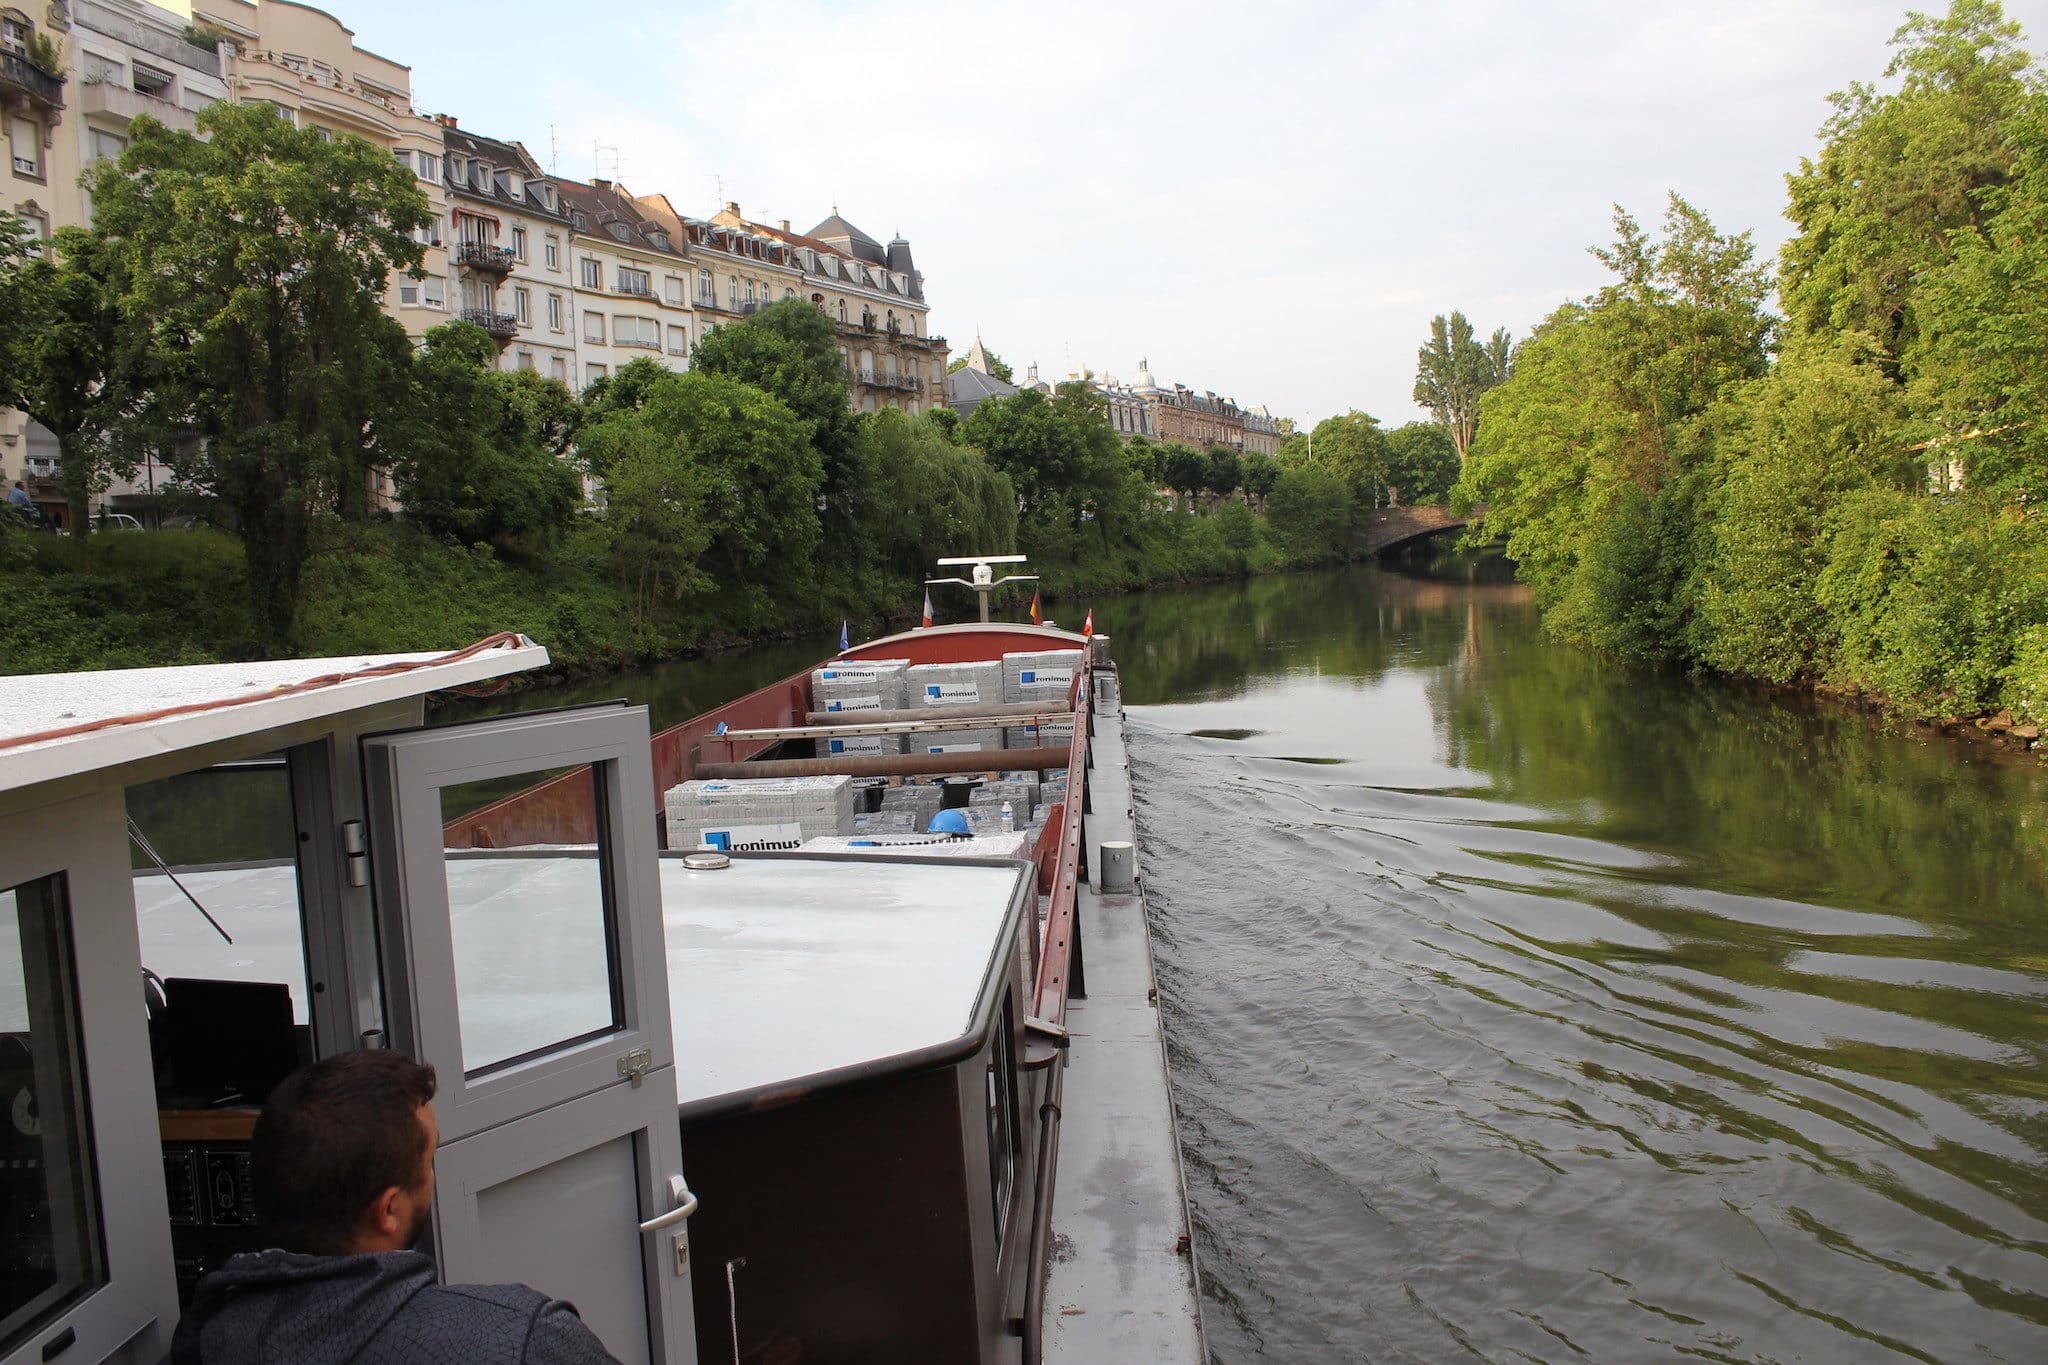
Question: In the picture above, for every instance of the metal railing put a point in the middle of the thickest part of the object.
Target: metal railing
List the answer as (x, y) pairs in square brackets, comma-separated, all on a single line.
[(484, 256), (500, 325), (22, 74), (637, 288)]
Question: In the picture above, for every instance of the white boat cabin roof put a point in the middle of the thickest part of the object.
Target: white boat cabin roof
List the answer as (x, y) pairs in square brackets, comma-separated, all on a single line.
[(779, 968), (93, 721)]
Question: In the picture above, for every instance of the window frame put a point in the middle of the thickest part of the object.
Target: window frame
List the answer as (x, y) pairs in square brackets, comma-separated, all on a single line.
[(83, 841)]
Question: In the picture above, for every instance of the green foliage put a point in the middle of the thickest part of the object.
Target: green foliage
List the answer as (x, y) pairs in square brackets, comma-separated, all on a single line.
[(1422, 463), (997, 366), (932, 497), (790, 350), (1454, 371), (483, 461), (1592, 453), (1312, 510), (247, 262), (1354, 448)]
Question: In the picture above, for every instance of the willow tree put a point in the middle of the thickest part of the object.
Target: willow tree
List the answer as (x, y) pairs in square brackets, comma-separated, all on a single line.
[(249, 261)]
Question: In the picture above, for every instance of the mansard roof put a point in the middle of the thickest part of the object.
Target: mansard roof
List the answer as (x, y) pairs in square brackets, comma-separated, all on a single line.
[(605, 207), (967, 388), (849, 240)]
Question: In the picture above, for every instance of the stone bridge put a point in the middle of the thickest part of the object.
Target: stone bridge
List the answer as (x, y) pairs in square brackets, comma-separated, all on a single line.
[(1387, 527)]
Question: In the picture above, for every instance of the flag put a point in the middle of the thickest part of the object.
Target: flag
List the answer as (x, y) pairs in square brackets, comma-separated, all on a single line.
[(1088, 626), (927, 606), (1036, 619), (843, 645)]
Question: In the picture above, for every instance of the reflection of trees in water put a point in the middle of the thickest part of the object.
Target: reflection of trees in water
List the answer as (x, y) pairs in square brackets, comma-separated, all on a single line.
[(1214, 640), (1752, 796)]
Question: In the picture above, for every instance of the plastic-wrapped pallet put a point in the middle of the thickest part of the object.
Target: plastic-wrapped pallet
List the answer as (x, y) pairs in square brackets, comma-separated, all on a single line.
[(1021, 797), (1001, 845), (1054, 735), (963, 684), (1040, 675), (956, 741), (859, 685), (922, 801), (757, 813), (833, 746), (887, 822)]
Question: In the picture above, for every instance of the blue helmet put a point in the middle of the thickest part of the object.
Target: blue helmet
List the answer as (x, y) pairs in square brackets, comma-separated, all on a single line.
[(949, 822)]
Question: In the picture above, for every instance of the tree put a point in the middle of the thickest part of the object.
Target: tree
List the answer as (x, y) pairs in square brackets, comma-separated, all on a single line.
[(1355, 449), (66, 367), (1222, 471), (1026, 437), (1422, 464), (791, 350), (484, 460), (1902, 177), (250, 260), (931, 496), (1259, 472), (739, 452), (1311, 507), (1183, 469), (1454, 370), (1596, 453)]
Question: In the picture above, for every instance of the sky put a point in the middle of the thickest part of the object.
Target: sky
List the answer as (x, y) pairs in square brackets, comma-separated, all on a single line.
[(1267, 199)]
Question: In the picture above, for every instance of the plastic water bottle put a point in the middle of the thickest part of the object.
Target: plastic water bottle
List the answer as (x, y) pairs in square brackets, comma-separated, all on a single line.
[(1009, 818)]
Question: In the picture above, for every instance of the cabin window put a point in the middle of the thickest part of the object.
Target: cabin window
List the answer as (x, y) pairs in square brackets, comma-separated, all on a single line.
[(54, 1246), (1002, 1123), (552, 983)]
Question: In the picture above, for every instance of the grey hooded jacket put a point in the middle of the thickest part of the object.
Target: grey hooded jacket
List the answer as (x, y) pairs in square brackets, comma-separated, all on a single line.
[(382, 1308)]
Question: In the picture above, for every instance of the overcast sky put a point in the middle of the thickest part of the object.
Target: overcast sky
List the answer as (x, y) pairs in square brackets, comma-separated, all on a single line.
[(1269, 199)]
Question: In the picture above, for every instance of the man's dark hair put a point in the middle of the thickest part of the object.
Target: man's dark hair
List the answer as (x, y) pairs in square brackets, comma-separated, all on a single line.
[(333, 1137)]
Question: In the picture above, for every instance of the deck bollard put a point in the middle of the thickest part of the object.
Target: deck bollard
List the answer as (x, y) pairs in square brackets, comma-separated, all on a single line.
[(1118, 874)]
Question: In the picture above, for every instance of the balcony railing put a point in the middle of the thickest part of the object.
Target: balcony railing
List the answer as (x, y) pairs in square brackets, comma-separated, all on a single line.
[(483, 256), (637, 288), (500, 325), (19, 73), (875, 379)]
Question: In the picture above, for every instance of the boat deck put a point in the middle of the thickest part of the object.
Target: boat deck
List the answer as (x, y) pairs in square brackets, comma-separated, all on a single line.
[(1122, 1284)]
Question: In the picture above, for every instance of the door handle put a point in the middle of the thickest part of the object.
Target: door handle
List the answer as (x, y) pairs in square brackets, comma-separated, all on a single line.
[(685, 1205)]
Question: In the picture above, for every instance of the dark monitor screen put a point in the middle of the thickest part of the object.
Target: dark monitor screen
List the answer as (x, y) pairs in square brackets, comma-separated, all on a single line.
[(229, 1037)]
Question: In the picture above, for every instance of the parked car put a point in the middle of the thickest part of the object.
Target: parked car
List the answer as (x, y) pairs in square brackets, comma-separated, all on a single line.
[(118, 521)]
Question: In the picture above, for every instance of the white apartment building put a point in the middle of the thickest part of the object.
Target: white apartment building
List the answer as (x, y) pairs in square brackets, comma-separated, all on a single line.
[(507, 234), (629, 282)]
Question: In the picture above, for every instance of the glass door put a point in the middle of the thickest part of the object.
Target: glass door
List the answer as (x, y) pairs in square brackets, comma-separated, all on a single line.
[(534, 979)]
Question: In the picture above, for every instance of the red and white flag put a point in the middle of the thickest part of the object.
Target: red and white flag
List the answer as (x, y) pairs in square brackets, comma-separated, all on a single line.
[(1088, 626), (1036, 619), (927, 606)]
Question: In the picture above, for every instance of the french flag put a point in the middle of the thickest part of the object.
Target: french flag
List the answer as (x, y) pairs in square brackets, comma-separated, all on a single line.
[(1088, 626), (927, 607)]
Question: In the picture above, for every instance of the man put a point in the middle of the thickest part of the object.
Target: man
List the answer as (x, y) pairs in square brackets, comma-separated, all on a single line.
[(17, 496), (343, 1163)]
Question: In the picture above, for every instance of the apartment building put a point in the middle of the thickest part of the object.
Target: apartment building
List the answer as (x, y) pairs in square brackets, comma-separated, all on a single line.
[(628, 282), (306, 63), (874, 293), (121, 58), (507, 234), (1178, 413)]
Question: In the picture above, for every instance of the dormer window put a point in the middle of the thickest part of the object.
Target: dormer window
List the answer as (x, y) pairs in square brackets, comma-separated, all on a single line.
[(617, 230), (660, 238)]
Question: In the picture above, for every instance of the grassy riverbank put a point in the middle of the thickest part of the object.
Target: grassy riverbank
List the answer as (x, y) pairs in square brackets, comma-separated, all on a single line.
[(141, 599)]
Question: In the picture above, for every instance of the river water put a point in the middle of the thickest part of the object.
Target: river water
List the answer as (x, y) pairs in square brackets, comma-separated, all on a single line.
[(1524, 1007)]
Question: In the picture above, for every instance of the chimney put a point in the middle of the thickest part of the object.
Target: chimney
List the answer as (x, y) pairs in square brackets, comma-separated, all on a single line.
[(600, 184), (733, 209), (782, 223)]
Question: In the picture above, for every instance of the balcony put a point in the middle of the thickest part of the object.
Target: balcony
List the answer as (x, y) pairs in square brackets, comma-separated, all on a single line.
[(119, 102), (638, 289), (19, 75), (875, 379), (492, 260), (503, 326)]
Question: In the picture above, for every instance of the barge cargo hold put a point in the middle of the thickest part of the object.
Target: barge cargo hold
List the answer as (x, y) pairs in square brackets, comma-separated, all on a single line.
[(871, 1103)]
